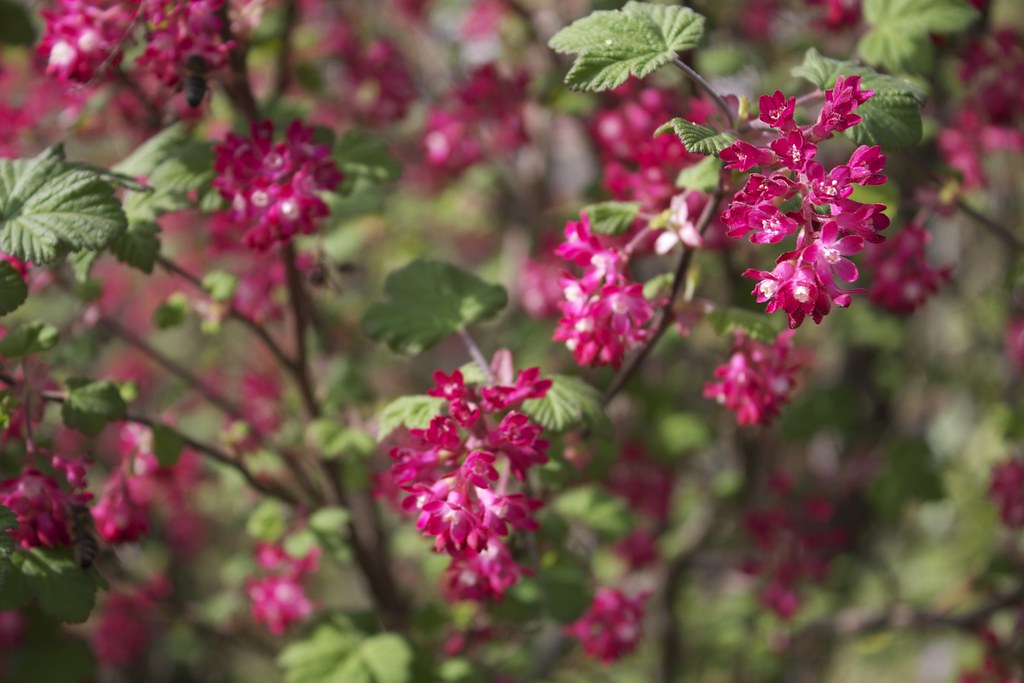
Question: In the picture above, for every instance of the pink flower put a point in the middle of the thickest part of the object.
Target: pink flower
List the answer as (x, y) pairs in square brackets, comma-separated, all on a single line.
[(903, 278), (278, 602), (274, 187), (612, 627), (1007, 491), (82, 36), (777, 111), (42, 507), (119, 517), (483, 575), (757, 380), (182, 32)]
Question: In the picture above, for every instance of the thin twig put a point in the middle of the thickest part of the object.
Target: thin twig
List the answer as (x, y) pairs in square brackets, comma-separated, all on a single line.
[(233, 312), (858, 623), (665, 322), (477, 355), (996, 228), (283, 78), (300, 313), (175, 368), (706, 87)]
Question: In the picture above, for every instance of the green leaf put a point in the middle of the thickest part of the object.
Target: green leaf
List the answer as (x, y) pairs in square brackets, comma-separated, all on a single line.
[(268, 521), (167, 445), (332, 439), (151, 153), (899, 38), (48, 208), (172, 312), (759, 326), (15, 24), (331, 520), (91, 405), (569, 403), (56, 581), (891, 118), (637, 40), (138, 246), (31, 337), (565, 591), (680, 433), (429, 302), (596, 508), (702, 176), (611, 218), (411, 412), (365, 157), (13, 290), (696, 138), (338, 652), (220, 285), (909, 476)]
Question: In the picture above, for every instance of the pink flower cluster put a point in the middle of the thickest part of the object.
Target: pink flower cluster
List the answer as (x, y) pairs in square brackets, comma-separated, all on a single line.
[(796, 541), (757, 379), (1007, 491), (83, 36), (637, 165), (902, 277), (457, 474), (1013, 343), (377, 86), (126, 623), (482, 117), (279, 598), (829, 225), (605, 313), (991, 119), (273, 187), (612, 626), (646, 485), (179, 32), (138, 482), (42, 505)]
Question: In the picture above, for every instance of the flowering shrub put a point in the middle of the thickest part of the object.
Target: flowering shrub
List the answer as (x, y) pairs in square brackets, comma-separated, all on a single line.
[(463, 340)]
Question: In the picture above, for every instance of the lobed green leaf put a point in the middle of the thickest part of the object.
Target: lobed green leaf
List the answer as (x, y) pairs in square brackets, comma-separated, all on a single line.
[(611, 218), (429, 301), (612, 45), (569, 403), (91, 405), (696, 138)]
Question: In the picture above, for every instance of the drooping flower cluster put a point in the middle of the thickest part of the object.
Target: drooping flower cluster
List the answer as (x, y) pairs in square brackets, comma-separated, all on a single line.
[(179, 33), (43, 506), (638, 166), (279, 598), (481, 117), (828, 224), (273, 187), (757, 379), (992, 118), (457, 476), (1007, 491), (84, 36), (126, 623), (646, 485), (605, 314), (796, 541), (375, 84), (611, 628), (122, 512), (903, 279)]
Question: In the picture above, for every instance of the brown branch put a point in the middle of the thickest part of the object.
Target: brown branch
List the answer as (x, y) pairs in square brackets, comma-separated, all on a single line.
[(268, 487), (233, 313), (301, 314), (902, 617), (997, 229), (284, 74), (173, 367), (665, 321), (730, 116)]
